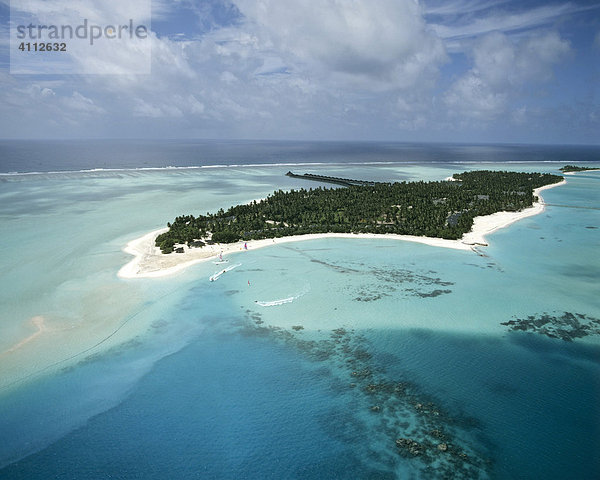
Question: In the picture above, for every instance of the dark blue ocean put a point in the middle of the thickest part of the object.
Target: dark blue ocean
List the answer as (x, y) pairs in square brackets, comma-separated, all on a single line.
[(393, 361), (47, 156)]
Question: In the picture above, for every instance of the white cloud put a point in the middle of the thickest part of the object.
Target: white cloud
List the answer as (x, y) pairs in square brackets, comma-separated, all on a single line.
[(505, 21), (377, 45), (145, 109), (83, 27), (502, 63), (67, 11), (501, 69), (312, 69), (519, 116), (255, 78), (79, 103), (471, 97), (459, 7)]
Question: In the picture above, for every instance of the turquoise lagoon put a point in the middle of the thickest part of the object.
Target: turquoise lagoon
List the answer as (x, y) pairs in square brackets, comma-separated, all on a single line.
[(392, 360)]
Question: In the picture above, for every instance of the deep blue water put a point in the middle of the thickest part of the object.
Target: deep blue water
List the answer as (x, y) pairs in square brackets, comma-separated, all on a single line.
[(45, 156), (534, 396), (220, 408), (241, 403)]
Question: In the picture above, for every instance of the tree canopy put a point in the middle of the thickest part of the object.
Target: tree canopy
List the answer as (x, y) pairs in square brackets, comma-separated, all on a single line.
[(443, 209), (575, 168)]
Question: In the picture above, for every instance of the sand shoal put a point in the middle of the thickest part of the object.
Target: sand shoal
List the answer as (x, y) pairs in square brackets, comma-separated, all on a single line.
[(149, 262), (38, 323)]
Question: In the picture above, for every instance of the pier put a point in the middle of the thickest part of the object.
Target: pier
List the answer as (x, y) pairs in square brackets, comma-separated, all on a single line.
[(346, 182)]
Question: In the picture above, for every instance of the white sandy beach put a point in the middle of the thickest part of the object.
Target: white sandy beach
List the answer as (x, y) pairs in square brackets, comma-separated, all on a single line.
[(149, 262), (483, 226)]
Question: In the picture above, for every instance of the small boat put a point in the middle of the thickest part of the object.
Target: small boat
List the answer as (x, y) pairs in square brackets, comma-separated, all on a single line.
[(221, 260), (214, 277), (275, 302)]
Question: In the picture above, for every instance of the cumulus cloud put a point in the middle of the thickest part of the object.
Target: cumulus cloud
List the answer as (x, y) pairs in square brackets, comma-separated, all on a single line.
[(383, 44), (296, 69), (81, 104), (97, 34), (501, 68), (267, 73), (305, 69)]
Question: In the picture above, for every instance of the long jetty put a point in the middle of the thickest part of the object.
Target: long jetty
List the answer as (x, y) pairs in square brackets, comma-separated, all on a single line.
[(346, 182)]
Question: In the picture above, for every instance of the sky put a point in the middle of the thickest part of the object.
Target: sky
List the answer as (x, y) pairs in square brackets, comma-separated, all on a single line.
[(474, 71)]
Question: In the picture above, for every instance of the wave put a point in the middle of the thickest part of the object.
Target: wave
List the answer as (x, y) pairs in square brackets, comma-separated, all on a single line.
[(172, 167), (263, 165)]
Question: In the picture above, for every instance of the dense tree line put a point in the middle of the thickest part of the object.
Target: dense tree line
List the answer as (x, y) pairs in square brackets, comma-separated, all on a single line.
[(435, 209), (575, 168)]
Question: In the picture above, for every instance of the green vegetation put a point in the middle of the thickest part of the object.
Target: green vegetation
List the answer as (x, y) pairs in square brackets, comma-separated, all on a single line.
[(575, 168), (433, 209)]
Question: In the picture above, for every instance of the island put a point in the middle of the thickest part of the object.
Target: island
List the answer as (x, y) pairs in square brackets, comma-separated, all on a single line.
[(575, 168), (454, 213), (443, 209)]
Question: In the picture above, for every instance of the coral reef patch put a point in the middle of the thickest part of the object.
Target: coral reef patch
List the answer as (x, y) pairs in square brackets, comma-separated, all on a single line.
[(566, 326)]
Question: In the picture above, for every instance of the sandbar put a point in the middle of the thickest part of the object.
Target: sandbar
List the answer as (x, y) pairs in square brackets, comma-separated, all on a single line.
[(37, 322), (149, 262)]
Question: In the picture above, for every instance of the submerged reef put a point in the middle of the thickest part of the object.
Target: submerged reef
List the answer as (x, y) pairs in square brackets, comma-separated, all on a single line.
[(380, 282), (390, 422), (566, 326)]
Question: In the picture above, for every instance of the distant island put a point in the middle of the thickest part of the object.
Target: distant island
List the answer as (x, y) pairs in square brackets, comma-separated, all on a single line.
[(575, 168), (442, 209)]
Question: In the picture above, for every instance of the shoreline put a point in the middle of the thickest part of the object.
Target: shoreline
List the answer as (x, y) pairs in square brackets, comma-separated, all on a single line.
[(487, 225), (149, 262)]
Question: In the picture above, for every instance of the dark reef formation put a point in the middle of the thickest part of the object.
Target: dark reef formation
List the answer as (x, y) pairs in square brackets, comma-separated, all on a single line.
[(392, 412), (391, 281), (566, 326)]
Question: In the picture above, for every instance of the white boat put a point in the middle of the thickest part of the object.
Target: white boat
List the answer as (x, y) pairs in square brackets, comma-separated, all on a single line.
[(220, 260), (275, 302), (214, 277)]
